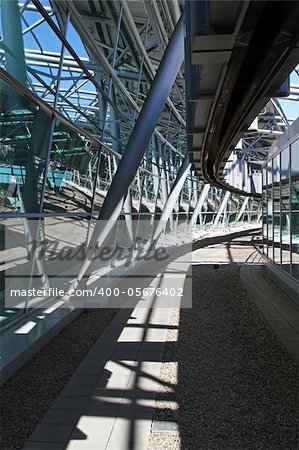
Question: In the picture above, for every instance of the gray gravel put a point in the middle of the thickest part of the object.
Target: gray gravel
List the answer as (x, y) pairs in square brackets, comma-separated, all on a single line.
[(26, 397), (236, 385)]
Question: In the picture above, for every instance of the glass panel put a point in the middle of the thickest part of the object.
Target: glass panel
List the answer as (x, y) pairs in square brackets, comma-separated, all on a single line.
[(107, 166), (62, 253), (29, 264), (270, 210), (276, 209), (295, 207), (285, 209), (264, 204)]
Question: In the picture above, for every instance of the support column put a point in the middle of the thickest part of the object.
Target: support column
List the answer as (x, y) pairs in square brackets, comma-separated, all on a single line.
[(163, 181), (242, 209), (173, 196), (146, 122), (13, 40), (116, 145), (259, 216), (16, 66), (127, 206), (221, 208), (156, 179), (199, 205), (137, 144), (195, 194), (114, 124)]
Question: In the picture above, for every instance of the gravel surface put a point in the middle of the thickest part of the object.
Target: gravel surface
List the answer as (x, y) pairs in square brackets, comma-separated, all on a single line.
[(26, 397), (166, 404), (236, 385)]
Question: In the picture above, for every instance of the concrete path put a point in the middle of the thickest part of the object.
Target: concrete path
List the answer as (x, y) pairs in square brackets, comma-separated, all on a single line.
[(211, 377), (108, 402)]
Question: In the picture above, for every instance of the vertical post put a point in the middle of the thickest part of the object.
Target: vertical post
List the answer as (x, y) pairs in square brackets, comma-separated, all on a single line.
[(156, 178), (221, 208), (290, 209), (242, 209), (103, 108), (137, 144), (127, 206), (195, 193), (163, 181), (115, 132), (173, 196), (157, 183), (16, 66), (199, 205)]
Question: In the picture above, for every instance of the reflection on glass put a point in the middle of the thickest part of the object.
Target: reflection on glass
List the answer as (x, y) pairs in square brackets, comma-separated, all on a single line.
[(62, 251), (24, 139), (107, 166), (276, 209), (270, 210), (19, 270), (264, 205), (70, 175)]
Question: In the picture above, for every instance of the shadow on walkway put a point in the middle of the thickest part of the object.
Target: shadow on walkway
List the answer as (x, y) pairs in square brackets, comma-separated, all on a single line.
[(235, 386)]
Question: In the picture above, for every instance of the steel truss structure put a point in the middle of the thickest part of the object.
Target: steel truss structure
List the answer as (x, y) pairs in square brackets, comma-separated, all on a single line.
[(94, 63), (76, 80)]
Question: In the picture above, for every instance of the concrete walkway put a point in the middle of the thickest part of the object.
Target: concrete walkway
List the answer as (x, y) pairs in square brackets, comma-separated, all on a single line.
[(210, 377), (108, 402)]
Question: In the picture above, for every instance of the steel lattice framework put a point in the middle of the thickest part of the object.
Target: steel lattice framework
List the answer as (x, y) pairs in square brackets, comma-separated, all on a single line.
[(94, 63), (93, 126), (75, 78)]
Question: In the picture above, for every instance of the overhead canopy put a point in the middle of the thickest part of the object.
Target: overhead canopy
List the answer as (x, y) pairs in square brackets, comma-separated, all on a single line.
[(238, 55)]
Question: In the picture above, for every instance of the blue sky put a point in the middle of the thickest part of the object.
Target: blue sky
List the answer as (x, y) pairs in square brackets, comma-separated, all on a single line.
[(291, 108)]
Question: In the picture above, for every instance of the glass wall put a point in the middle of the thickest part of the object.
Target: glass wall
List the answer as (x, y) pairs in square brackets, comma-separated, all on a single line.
[(281, 206), (276, 210), (54, 176), (294, 193), (66, 115), (47, 178), (285, 209)]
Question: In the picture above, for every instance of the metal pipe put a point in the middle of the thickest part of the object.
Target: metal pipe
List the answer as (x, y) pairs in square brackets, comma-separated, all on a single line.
[(199, 205), (147, 60), (221, 208), (137, 144), (242, 209), (47, 108), (99, 57), (146, 121), (173, 196)]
